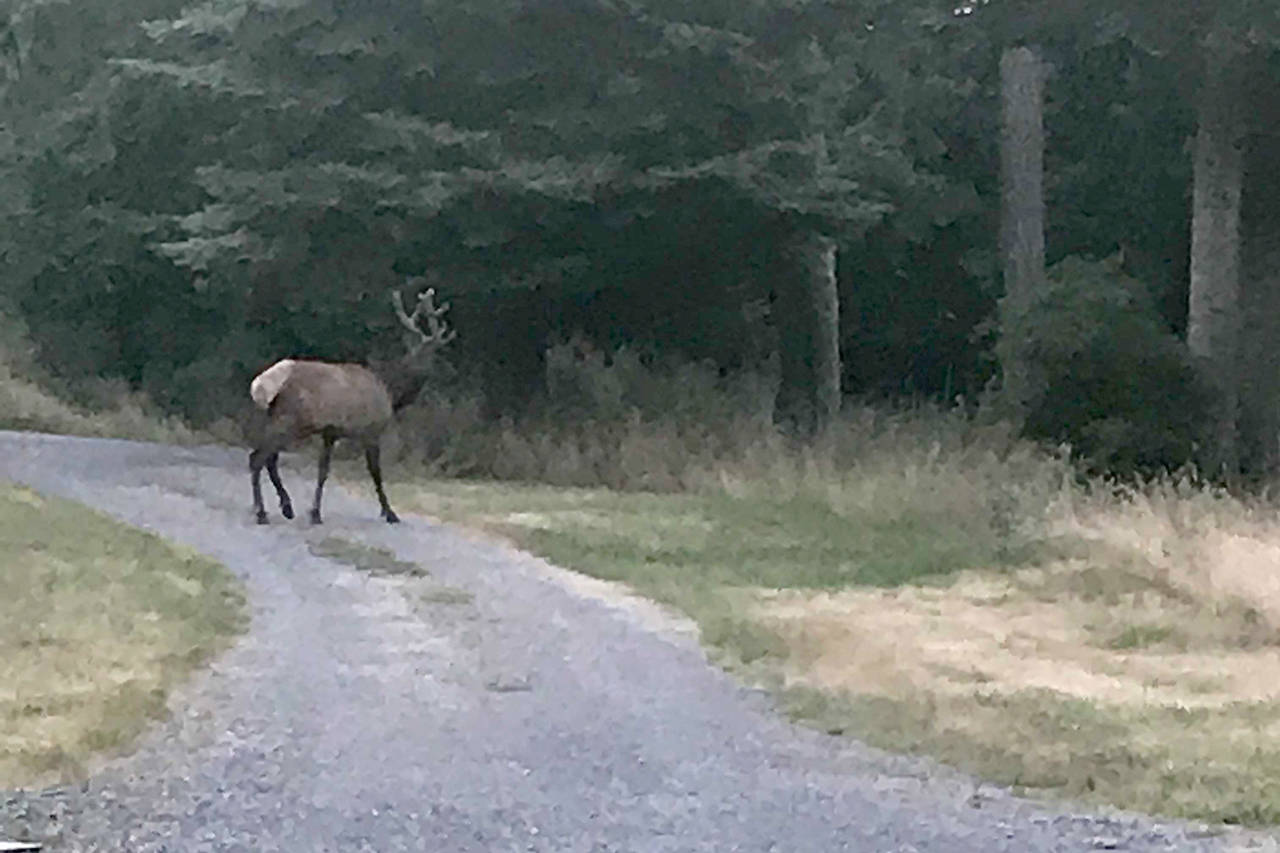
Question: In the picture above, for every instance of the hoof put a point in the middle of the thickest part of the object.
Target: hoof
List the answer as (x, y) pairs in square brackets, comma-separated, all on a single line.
[(315, 517), (286, 511), (262, 518), (391, 517)]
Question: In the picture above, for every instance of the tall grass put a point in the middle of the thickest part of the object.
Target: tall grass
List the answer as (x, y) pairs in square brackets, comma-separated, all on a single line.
[(630, 422), (32, 398)]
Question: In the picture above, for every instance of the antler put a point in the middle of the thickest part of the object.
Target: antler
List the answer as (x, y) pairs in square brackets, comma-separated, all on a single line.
[(426, 309)]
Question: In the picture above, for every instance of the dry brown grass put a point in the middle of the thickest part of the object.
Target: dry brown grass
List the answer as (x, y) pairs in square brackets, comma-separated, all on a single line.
[(25, 405), (1143, 670)]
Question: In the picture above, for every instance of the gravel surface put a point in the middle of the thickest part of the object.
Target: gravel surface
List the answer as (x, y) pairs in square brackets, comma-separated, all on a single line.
[(366, 713)]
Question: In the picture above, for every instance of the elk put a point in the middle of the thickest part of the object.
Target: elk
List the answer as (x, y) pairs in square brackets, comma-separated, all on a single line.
[(302, 398)]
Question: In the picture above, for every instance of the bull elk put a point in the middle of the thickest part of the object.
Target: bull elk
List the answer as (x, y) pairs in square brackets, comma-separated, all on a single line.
[(305, 398)]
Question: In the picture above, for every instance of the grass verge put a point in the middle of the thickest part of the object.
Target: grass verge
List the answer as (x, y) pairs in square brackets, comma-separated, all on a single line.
[(97, 622), (938, 596)]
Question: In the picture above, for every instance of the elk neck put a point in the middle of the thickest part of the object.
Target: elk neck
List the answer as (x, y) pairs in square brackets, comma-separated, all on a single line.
[(404, 378)]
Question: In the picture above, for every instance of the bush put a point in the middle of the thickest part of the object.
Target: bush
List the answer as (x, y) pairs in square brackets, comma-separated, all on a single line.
[(631, 423), (626, 420), (34, 399), (584, 382), (1108, 377)]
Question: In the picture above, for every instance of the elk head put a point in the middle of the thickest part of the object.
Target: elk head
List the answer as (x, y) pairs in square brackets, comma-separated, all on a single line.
[(406, 376)]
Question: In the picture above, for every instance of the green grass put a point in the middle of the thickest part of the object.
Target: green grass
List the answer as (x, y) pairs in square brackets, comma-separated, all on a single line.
[(98, 621), (796, 542), (1214, 765), (663, 544), (1143, 636)]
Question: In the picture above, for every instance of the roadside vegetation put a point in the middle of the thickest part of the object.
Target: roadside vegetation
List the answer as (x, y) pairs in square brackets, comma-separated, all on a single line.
[(98, 621), (33, 399)]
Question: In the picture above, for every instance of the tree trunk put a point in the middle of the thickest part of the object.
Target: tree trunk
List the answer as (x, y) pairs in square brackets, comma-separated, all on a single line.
[(1022, 214), (808, 319), (1213, 320)]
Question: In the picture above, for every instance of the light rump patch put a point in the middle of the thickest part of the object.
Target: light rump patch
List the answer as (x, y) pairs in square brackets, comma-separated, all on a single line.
[(268, 383)]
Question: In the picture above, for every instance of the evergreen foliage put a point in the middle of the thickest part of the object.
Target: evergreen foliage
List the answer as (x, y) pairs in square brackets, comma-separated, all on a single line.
[(193, 190)]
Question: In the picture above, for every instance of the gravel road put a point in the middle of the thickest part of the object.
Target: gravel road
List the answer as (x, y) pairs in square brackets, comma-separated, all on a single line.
[(357, 716)]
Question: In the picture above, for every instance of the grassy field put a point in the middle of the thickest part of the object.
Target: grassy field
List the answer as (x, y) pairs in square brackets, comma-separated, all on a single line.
[(961, 601), (97, 622)]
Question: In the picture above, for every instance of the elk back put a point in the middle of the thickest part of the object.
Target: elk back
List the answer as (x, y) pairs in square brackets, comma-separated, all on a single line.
[(348, 398)]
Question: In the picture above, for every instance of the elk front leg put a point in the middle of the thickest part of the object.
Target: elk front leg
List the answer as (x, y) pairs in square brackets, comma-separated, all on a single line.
[(286, 506), (325, 452), (375, 471)]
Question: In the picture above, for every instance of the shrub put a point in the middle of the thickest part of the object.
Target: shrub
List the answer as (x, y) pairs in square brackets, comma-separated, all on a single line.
[(1108, 377)]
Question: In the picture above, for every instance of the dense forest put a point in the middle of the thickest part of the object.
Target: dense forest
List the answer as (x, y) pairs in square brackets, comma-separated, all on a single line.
[(1054, 213)]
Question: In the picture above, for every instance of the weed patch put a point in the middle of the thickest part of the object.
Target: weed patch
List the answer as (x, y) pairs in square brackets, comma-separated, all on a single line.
[(446, 595), (25, 405), (366, 558)]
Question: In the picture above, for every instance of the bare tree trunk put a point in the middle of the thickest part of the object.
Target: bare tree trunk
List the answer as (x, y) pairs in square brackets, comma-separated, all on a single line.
[(808, 315), (1213, 321), (1022, 213)]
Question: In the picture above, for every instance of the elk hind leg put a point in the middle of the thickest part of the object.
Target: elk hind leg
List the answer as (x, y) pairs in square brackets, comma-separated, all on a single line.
[(257, 459), (286, 506), (326, 451), (371, 458)]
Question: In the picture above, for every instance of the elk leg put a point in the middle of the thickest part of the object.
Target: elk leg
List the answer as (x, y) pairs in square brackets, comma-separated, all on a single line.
[(375, 471), (256, 460), (325, 452), (286, 506)]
